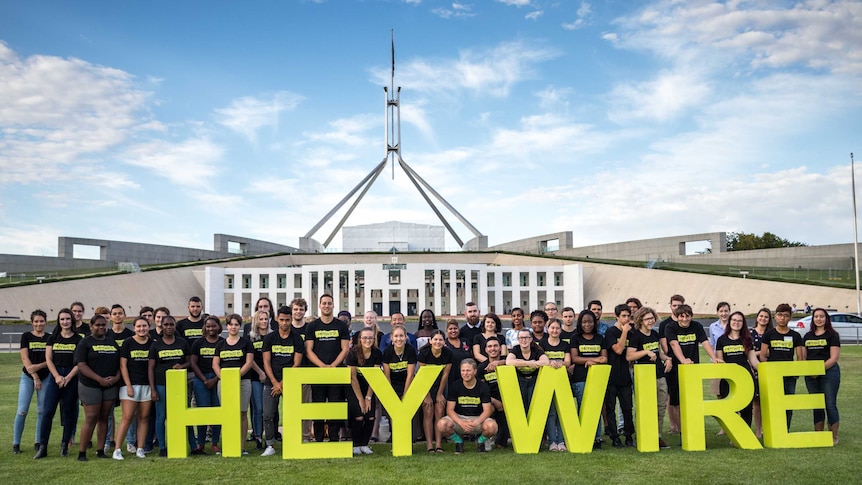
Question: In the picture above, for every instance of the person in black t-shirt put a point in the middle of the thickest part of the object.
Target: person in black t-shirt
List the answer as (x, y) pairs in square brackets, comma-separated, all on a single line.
[(435, 352), (620, 383), (528, 357), (588, 349), (399, 362), (683, 338), (236, 352), (491, 327), (488, 375), (557, 352), (98, 361), (326, 345), (34, 371), (782, 344), (735, 346), (191, 327), (281, 349), (644, 348), (822, 343), (468, 410), (169, 352), (205, 381), (135, 398), (672, 411), (62, 389), (360, 401)]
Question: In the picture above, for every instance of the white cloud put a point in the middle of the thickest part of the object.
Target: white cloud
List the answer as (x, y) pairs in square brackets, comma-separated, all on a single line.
[(494, 70), (534, 15), (249, 114), (191, 163), (351, 132), (516, 3), (458, 10), (665, 98), (583, 14), (56, 113)]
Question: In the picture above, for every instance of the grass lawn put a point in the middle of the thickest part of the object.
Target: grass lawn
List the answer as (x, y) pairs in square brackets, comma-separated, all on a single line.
[(721, 463)]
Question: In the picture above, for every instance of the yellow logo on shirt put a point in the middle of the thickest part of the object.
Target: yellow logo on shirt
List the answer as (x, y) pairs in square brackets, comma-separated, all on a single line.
[(231, 354), (781, 344), (208, 351), (64, 347), (282, 349), (398, 366), (37, 345), (651, 346), (167, 353), (139, 354), (687, 338), (469, 400), (589, 349), (816, 343), (320, 334)]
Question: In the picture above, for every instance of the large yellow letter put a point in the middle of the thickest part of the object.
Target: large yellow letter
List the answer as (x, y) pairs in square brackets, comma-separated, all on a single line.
[(527, 428), (774, 404), (693, 407), (400, 411), (295, 411), (227, 415), (646, 426)]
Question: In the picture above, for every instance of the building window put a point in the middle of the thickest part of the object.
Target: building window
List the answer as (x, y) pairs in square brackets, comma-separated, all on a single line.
[(246, 281), (558, 278), (264, 281), (281, 281), (228, 281), (395, 277), (507, 279), (525, 279)]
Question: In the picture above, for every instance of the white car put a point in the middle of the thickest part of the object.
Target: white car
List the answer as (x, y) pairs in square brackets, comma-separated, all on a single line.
[(848, 326)]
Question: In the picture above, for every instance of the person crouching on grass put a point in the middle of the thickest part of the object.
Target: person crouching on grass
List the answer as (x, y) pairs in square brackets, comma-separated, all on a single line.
[(468, 410)]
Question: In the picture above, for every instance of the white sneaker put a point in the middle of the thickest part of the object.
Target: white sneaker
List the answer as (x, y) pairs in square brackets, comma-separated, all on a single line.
[(118, 455), (366, 449), (131, 448), (553, 447), (269, 451), (562, 447), (140, 453), (357, 450)]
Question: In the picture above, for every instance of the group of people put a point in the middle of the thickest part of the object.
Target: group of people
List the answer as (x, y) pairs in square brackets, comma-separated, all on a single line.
[(101, 364)]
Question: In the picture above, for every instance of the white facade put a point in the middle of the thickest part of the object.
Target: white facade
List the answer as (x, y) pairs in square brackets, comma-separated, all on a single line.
[(386, 288), (403, 236)]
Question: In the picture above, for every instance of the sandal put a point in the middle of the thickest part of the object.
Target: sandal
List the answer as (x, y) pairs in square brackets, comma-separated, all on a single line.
[(438, 450), (431, 450)]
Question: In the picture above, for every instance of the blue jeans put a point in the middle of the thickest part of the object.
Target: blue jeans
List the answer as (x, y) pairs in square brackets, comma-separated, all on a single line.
[(578, 390), (256, 408), (67, 398), (553, 428), (25, 395), (206, 398), (827, 385), (527, 386), (161, 417)]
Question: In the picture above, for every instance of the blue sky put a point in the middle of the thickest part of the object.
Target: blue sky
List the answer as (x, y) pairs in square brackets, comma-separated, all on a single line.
[(166, 122)]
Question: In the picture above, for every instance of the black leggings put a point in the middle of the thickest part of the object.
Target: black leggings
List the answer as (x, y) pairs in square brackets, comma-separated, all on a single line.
[(327, 393), (361, 425)]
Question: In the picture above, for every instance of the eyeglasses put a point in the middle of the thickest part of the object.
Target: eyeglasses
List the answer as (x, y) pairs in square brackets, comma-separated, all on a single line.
[(366, 338), (528, 337)]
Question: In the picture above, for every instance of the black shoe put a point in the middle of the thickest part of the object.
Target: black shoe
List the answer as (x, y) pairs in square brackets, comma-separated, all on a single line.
[(277, 436), (89, 444), (198, 452), (259, 444), (36, 446), (629, 442), (480, 446), (101, 454), (163, 452), (617, 443), (82, 456), (42, 452), (597, 444), (64, 449), (459, 448), (16, 449)]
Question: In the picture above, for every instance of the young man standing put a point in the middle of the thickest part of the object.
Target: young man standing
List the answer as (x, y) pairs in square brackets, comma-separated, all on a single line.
[(568, 330), (298, 308), (397, 320), (191, 327), (671, 377), (469, 410), (783, 344), (472, 327), (326, 345), (281, 349), (595, 306), (620, 383)]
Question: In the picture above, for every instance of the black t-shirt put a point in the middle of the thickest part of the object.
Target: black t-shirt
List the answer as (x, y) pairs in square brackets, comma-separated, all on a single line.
[(190, 331), (205, 350), (589, 349), (733, 351), (489, 378), (282, 352), (689, 338), (662, 327), (459, 353), (756, 339), (620, 375), (258, 350), (639, 341), (234, 356), (398, 364), (818, 346), (326, 338), (535, 353), (480, 340), (373, 360), (138, 360), (63, 349), (166, 356), (467, 333), (469, 402), (427, 357), (35, 352), (121, 336), (83, 330), (555, 352), (781, 345), (567, 336), (101, 356)]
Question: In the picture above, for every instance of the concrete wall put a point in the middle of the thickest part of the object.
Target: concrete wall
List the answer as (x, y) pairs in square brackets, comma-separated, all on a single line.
[(537, 244), (403, 236), (18, 264), (663, 248)]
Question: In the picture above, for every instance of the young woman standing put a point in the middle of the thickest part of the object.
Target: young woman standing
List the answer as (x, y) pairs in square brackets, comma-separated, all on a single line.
[(226, 356), (434, 405), (762, 323), (205, 380), (62, 388), (822, 343), (169, 352), (588, 349), (135, 397), (557, 352), (491, 327), (260, 328), (517, 325), (35, 370), (644, 349), (360, 402), (736, 347), (98, 361), (528, 357)]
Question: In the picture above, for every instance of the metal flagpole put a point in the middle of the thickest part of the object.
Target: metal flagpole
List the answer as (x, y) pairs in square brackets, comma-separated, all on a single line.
[(855, 237)]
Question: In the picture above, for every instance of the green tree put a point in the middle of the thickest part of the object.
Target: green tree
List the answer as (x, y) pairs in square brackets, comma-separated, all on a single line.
[(742, 241)]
